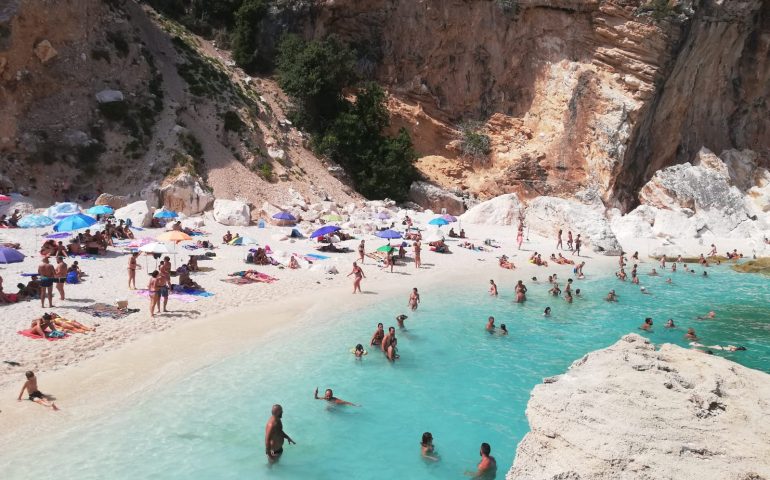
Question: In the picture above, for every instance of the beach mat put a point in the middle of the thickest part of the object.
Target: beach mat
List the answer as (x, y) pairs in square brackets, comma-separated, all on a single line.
[(250, 276), (28, 333), (102, 310)]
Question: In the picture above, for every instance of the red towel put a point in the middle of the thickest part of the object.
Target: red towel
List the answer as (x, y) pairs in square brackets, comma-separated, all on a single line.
[(28, 333)]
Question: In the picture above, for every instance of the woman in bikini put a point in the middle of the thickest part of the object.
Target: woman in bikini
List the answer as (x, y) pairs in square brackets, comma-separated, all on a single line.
[(379, 334), (154, 292), (358, 275), (521, 292), (414, 299)]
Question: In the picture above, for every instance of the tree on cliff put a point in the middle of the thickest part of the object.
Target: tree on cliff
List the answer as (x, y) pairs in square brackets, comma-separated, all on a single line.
[(315, 74), (244, 37)]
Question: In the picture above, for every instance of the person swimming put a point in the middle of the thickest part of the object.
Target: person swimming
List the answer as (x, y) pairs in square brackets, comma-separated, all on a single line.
[(379, 334), (427, 449), (690, 335), (490, 325), (670, 323), (329, 397), (547, 312), (400, 320), (644, 290), (708, 316), (359, 351), (647, 325), (503, 329), (611, 297)]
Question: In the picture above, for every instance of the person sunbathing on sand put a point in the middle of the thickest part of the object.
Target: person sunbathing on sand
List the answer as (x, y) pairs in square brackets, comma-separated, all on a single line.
[(34, 394), (505, 263), (329, 397), (69, 326)]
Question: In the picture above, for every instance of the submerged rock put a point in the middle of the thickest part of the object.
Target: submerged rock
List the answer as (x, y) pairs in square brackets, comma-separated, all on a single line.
[(630, 411)]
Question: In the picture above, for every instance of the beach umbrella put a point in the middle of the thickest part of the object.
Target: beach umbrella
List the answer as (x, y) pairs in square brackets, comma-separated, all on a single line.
[(433, 237), (35, 221), (74, 222), (388, 234), (449, 218), (383, 215), (325, 230), (158, 247), (10, 255), (385, 248), (5, 198), (174, 236), (163, 213), (140, 242), (62, 210), (285, 216), (100, 210), (332, 217), (438, 221)]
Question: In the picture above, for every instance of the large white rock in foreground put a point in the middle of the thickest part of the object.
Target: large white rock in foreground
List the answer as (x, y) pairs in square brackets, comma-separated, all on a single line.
[(502, 210), (545, 215), (631, 412), (231, 212), (138, 212)]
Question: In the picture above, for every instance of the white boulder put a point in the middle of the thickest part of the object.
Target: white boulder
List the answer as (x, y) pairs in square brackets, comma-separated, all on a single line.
[(502, 210), (109, 96), (436, 198), (231, 212), (138, 212), (545, 215), (184, 194)]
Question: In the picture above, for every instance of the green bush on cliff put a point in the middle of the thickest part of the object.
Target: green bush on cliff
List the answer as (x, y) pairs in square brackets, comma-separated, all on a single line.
[(659, 9), (314, 75), (246, 52), (474, 143)]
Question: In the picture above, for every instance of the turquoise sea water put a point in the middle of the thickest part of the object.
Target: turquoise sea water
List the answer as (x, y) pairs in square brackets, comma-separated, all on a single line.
[(453, 379)]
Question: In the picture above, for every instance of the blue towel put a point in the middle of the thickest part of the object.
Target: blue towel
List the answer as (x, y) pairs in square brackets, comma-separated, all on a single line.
[(316, 256)]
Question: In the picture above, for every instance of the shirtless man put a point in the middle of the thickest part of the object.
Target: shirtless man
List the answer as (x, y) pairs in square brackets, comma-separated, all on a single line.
[(611, 297), (647, 325), (60, 273), (329, 397), (274, 435), (492, 288), (414, 299), (578, 243), (569, 239), (34, 394), (487, 467), (490, 325), (163, 286), (132, 266), (379, 334), (47, 277), (389, 344), (417, 247)]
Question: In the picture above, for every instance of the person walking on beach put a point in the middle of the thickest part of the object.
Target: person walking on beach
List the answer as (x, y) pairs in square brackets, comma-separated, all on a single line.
[(47, 277), (414, 299), (164, 286), (358, 274), (329, 397), (487, 467), (559, 245), (60, 273), (34, 394), (274, 435), (153, 287), (361, 252), (569, 239), (416, 253), (492, 288), (578, 243), (520, 234), (132, 267)]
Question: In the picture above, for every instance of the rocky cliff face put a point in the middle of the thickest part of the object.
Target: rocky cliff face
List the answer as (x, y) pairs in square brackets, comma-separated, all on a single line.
[(574, 95), (633, 412)]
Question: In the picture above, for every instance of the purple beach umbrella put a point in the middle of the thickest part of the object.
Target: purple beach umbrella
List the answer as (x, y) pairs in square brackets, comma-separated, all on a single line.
[(10, 255)]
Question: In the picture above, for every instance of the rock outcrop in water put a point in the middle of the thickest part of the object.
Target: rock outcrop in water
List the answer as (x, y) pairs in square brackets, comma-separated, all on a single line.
[(633, 412)]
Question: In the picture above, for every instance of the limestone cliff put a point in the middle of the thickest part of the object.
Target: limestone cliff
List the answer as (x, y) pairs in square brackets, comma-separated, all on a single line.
[(633, 412), (574, 95)]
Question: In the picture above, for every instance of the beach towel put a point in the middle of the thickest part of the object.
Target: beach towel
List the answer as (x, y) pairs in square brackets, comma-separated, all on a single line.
[(316, 256), (173, 296), (28, 333), (102, 310)]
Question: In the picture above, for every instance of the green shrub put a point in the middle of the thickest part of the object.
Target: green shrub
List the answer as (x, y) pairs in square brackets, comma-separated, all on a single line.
[(265, 171), (116, 38), (475, 144), (232, 122), (244, 37), (658, 9), (510, 7)]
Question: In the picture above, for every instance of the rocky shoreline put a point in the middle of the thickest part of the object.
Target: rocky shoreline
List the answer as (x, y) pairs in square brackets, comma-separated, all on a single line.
[(631, 411)]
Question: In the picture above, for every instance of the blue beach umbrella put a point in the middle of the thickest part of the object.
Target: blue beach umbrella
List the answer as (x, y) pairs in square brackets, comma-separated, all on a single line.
[(285, 216), (74, 222), (388, 234), (438, 221), (10, 255), (325, 230), (163, 213), (101, 210), (35, 220)]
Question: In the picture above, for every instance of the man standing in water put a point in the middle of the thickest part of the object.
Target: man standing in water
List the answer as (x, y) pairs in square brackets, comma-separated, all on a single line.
[(487, 467), (274, 435)]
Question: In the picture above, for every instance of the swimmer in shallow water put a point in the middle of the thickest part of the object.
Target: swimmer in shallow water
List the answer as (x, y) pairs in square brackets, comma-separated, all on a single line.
[(329, 397), (670, 323), (379, 334), (611, 297), (490, 325), (274, 435), (547, 312), (427, 449), (492, 288), (647, 325), (690, 335), (503, 329), (645, 291), (359, 352), (400, 320), (708, 316)]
